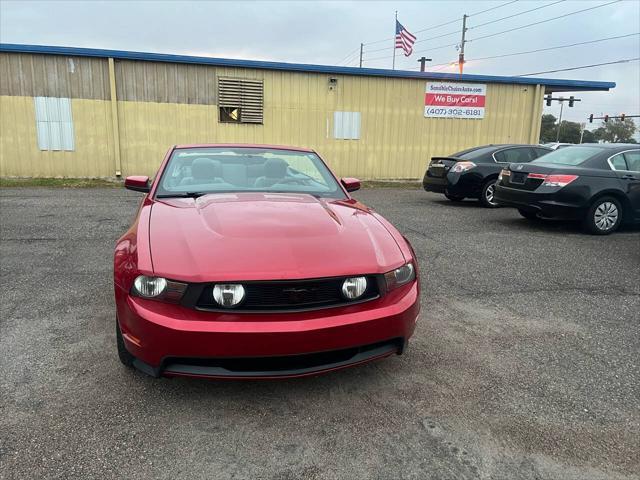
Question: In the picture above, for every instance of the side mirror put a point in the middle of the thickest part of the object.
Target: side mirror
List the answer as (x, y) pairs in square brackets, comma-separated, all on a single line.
[(137, 183), (351, 184)]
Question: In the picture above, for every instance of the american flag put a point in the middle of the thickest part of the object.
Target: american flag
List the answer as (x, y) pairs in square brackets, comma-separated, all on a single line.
[(404, 39)]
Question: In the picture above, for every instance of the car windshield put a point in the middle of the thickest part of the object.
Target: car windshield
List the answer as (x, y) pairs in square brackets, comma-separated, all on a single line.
[(199, 171), (569, 155)]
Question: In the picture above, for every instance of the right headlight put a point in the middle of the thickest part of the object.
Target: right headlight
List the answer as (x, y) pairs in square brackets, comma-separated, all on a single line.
[(400, 276)]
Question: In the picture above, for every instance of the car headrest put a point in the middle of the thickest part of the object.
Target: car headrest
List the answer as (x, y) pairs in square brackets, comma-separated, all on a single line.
[(275, 168), (205, 169), (255, 170)]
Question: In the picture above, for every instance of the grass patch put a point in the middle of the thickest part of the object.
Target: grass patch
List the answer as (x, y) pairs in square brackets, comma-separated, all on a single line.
[(59, 182), (407, 184)]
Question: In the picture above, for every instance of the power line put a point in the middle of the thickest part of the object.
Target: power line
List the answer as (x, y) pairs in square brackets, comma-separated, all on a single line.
[(516, 14), (544, 21), (625, 60), (492, 8), (420, 52), (439, 36), (438, 26), (354, 51), (524, 26), (555, 48), (423, 40), (589, 42), (446, 23), (501, 32)]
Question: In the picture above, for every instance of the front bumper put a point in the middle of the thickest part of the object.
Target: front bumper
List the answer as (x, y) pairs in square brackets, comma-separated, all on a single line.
[(550, 203), (171, 340)]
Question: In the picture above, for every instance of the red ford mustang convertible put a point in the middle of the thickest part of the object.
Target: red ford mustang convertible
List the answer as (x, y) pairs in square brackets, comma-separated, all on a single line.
[(250, 261)]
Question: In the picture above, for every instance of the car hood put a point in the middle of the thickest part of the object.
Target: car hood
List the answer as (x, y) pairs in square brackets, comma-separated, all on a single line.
[(262, 236)]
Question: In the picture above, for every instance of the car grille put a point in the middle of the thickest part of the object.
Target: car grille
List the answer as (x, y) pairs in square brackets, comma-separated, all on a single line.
[(290, 295)]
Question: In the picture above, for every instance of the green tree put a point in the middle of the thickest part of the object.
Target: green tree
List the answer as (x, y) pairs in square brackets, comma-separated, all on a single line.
[(569, 132), (589, 137), (616, 131), (548, 129)]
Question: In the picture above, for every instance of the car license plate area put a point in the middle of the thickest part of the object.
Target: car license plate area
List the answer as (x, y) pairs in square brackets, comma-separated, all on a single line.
[(518, 178), (437, 170)]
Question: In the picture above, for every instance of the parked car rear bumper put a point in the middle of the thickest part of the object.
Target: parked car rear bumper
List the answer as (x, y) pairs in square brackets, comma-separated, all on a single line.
[(462, 185), (557, 204)]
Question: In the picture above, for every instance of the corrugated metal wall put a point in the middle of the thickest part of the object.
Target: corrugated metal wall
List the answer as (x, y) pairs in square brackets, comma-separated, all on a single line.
[(163, 104), (25, 74)]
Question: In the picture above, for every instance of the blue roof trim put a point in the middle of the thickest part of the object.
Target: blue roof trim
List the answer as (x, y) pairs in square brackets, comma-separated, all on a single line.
[(564, 85)]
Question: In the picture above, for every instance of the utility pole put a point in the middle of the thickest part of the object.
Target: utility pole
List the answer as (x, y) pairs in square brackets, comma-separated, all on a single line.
[(395, 27), (423, 61), (582, 127), (462, 42), (361, 51)]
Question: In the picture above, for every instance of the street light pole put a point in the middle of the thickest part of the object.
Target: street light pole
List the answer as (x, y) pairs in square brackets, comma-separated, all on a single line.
[(559, 122)]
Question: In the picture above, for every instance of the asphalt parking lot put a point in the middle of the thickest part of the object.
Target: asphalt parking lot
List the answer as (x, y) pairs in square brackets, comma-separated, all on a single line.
[(525, 362)]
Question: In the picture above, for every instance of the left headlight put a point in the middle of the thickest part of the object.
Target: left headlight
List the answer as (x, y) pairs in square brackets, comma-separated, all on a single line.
[(158, 288), (400, 276)]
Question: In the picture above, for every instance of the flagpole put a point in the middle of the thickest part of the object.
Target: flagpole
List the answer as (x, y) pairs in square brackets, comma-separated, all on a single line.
[(395, 25)]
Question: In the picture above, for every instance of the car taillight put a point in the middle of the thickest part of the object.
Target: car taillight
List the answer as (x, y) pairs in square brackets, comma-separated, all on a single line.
[(504, 173), (462, 167), (553, 180)]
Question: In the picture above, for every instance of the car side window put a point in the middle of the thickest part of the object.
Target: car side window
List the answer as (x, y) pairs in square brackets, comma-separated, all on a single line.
[(515, 155), (618, 162), (538, 152), (633, 160)]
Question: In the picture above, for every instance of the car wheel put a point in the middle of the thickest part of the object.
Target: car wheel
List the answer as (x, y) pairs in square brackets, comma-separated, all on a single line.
[(528, 214), (488, 193), (604, 216), (123, 354), (454, 198)]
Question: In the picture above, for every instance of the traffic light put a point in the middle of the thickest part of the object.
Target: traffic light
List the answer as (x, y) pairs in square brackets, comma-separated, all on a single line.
[(606, 118), (571, 101), (549, 100), (622, 117), (591, 118)]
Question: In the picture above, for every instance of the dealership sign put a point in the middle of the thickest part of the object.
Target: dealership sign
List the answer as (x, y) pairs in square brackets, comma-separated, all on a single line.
[(454, 100)]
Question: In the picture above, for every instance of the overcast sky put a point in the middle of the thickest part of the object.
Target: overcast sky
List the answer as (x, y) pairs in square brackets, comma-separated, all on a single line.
[(327, 32)]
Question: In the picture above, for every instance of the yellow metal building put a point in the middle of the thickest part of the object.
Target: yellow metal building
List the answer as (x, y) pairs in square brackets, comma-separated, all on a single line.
[(76, 112)]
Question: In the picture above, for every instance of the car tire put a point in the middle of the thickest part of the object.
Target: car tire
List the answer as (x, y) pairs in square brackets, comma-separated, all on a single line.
[(454, 198), (487, 193), (528, 214), (123, 354), (604, 216)]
